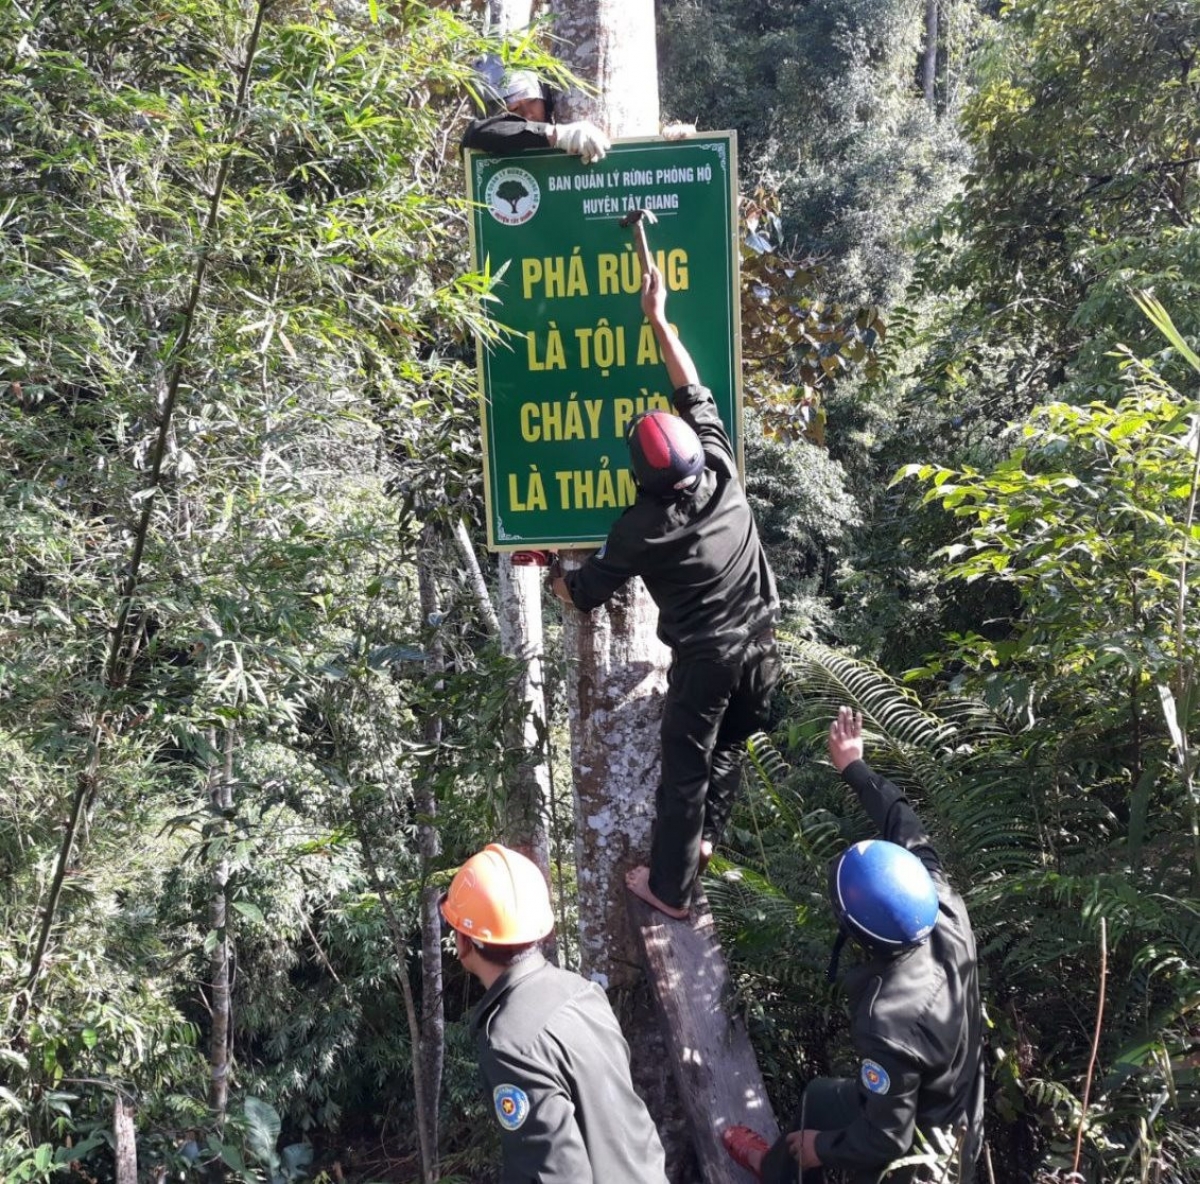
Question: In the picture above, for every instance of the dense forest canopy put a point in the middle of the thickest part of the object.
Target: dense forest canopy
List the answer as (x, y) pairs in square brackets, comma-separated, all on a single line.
[(253, 712)]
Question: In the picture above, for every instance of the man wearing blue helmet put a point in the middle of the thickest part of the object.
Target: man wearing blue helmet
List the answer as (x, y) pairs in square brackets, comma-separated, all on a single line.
[(691, 537), (916, 1019)]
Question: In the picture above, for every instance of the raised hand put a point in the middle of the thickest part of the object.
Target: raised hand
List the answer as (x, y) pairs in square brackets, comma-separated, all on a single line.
[(845, 738)]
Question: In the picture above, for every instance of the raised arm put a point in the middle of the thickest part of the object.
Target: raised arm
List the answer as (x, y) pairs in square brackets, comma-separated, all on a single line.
[(680, 368), (884, 802)]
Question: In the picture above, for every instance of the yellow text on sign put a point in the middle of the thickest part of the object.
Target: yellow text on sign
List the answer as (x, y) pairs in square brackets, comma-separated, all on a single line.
[(558, 277), (573, 489)]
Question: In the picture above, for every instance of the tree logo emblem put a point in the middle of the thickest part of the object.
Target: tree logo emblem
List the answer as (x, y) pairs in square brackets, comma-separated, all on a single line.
[(512, 196)]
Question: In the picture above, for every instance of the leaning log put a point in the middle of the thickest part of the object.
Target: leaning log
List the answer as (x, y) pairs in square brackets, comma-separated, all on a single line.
[(714, 1065)]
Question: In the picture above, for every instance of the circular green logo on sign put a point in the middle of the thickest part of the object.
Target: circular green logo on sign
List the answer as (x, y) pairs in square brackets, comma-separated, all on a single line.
[(512, 196)]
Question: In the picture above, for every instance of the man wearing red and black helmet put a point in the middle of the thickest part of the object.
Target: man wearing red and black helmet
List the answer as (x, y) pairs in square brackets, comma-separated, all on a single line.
[(691, 537)]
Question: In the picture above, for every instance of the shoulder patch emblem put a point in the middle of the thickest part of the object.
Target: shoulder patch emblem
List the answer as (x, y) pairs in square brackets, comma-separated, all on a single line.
[(512, 1106), (875, 1078)]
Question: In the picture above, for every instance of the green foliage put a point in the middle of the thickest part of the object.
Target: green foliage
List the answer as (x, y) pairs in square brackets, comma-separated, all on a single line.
[(795, 342), (1084, 131), (1089, 518), (827, 106), (262, 1130), (320, 421), (1081, 122), (804, 514)]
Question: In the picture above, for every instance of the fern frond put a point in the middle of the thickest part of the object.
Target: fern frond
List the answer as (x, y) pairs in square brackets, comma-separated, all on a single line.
[(830, 679)]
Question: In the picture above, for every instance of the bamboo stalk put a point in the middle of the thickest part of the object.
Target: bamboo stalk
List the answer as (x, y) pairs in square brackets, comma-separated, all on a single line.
[(1091, 1070)]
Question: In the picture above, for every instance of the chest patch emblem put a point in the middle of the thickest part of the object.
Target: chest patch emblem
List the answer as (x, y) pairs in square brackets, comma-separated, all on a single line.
[(875, 1078), (512, 1106)]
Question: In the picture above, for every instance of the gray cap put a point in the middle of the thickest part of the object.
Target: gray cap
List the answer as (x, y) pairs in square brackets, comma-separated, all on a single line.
[(520, 84)]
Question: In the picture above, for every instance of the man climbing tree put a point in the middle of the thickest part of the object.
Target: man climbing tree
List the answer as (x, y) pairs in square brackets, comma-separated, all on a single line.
[(691, 537)]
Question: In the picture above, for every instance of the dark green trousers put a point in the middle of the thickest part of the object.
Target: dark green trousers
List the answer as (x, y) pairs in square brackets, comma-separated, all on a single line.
[(714, 704)]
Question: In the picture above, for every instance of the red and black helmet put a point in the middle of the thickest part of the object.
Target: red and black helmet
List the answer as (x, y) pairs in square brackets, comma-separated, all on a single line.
[(665, 452)]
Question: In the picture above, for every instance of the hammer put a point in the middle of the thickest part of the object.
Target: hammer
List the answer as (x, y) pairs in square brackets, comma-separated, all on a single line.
[(637, 219)]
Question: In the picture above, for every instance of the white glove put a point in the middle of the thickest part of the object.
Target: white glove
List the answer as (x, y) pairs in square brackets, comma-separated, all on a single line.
[(582, 139), (677, 131)]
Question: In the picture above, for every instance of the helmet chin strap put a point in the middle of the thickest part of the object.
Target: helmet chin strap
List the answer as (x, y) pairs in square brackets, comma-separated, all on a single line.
[(839, 942)]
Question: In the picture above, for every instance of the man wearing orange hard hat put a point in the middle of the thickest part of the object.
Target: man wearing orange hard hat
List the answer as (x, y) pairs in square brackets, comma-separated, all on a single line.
[(551, 1054)]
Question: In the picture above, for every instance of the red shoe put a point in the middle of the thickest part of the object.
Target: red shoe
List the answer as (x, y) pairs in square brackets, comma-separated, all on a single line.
[(741, 1143)]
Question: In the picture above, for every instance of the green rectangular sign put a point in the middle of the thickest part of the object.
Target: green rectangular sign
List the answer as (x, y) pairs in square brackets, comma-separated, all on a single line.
[(578, 360)]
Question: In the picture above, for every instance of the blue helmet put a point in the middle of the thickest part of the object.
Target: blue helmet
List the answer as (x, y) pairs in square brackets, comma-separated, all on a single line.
[(883, 895)]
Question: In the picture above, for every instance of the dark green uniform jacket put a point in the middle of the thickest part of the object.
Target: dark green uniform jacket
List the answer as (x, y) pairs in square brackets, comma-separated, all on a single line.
[(698, 553), (556, 1070), (916, 1019)]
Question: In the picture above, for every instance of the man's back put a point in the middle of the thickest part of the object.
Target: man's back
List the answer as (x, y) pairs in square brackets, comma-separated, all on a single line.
[(919, 1012), (698, 553), (922, 1008), (557, 1068)]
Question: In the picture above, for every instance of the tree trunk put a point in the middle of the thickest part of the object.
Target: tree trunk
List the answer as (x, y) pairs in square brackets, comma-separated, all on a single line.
[(611, 44), (521, 638), (615, 682), (433, 1018), (475, 578), (507, 16), (220, 793), (616, 666), (929, 59), (125, 1143)]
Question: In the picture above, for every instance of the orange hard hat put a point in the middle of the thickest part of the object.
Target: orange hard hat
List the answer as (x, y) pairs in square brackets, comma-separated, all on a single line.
[(499, 897)]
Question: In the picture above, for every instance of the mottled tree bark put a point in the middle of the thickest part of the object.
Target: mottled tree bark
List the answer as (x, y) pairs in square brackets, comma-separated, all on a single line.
[(615, 680), (474, 572), (610, 43), (522, 638), (506, 16), (616, 666), (125, 1142), (519, 628)]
